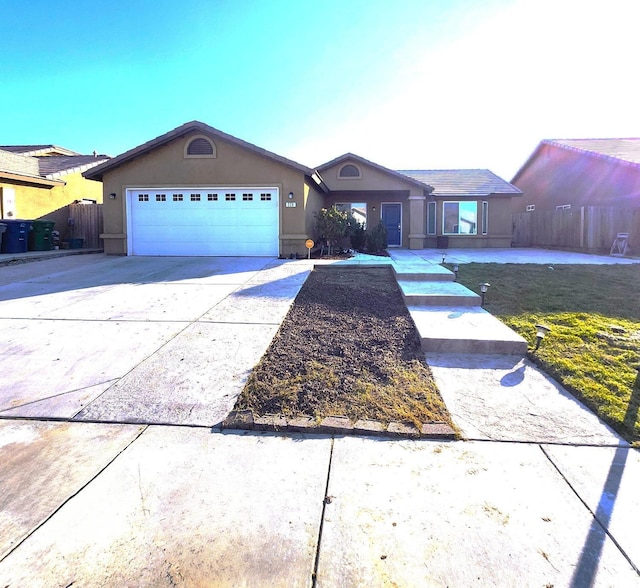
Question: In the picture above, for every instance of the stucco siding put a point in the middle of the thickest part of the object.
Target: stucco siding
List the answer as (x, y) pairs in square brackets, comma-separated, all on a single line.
[(556, 177), (166, 166)]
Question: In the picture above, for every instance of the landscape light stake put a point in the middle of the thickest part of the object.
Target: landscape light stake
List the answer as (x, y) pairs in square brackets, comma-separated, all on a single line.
[(541, 331), (443, 257), (455, 271), (483, 290)]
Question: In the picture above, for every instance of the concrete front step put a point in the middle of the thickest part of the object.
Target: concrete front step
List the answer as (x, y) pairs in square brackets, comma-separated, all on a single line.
[(453, 329), (437, 293), (422, 273)]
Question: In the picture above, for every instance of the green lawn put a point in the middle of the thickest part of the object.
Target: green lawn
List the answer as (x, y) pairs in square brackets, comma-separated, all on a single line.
[(593, 311)]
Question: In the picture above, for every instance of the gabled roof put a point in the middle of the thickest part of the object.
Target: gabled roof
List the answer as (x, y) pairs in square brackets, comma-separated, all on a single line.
[(60, 165), (463, 182), (34, 150), (623, 149), (43, 170), (617, 151), (353, 157), (181, 131)]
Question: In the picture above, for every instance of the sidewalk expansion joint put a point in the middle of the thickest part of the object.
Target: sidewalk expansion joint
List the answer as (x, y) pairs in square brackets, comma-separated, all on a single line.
[(326, 500)]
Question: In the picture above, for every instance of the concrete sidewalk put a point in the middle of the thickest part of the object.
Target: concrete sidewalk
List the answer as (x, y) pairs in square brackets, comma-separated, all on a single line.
[(115, 370)]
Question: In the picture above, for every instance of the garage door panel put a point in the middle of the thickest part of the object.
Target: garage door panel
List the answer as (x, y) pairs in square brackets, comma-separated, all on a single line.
[(204, 221)]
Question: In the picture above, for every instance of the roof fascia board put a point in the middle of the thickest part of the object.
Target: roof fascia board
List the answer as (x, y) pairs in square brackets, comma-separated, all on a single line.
[(182, 131), (34, 180), (376, 166)]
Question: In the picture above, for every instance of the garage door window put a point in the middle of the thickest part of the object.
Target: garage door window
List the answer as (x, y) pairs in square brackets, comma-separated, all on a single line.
[(212, 197), (229, 197), (265, 197), (178, 198), (195, 197), (161, 197)]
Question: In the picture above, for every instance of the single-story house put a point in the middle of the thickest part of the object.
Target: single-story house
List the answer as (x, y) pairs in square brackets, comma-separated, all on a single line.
[(39, 181), (198, 191), (571, 173)]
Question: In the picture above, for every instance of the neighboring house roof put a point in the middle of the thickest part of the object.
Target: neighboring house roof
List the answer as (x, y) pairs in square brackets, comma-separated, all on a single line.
[(352, 157), (622, 149), (181, 131), (45, 169), (56, 166), (463, 182), (38, 150), (618, 151)]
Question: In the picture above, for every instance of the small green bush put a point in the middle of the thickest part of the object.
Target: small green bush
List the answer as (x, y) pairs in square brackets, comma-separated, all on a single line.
[(377, 239)]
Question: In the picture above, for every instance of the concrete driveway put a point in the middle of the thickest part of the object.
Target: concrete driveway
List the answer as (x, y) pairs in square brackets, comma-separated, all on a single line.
[(112, 472)]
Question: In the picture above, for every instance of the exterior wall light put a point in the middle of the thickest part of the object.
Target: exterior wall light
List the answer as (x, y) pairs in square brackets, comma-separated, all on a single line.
[(483, 290), (456, 267), (290, 195), (541, 331), (112, 195)]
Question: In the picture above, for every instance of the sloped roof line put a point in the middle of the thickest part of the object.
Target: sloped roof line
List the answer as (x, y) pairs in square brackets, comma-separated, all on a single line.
[(623, 150), (571, 145), (189, 127), (61, 165), (464, 182), (386, 170), (34, 150)]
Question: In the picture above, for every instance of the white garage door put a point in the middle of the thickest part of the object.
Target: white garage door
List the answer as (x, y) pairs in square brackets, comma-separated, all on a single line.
[(203, 221)]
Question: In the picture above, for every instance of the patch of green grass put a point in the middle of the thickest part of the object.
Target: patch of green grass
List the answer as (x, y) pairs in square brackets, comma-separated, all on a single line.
[(593, 311)]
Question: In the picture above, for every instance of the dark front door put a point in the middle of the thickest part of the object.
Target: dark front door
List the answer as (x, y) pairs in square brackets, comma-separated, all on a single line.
[(391, 215)]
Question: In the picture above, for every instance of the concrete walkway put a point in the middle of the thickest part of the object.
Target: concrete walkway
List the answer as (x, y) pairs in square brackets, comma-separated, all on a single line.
[(112, 472)]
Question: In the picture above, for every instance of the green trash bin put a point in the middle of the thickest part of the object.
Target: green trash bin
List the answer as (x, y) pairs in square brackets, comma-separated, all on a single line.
[(40, 235)]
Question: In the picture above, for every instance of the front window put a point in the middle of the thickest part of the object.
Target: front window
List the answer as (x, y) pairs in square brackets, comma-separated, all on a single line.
[(460, 218), (431, 218), (358, 210)]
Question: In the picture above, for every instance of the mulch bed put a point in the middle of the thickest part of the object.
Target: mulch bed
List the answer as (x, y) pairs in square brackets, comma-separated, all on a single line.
[(347, 347)]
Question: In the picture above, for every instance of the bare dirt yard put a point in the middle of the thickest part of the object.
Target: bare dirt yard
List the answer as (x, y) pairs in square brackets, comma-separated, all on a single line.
[(347, 347)]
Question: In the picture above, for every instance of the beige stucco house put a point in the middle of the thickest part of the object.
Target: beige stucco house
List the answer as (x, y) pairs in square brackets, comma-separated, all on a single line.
[(39, 181), (198, 191)]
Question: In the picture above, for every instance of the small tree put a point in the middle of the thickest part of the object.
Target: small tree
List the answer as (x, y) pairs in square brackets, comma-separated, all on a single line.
[(356, 233), (331, 225), (377, 239)]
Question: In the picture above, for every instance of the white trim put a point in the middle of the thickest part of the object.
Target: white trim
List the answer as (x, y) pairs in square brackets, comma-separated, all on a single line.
[(432, 204)]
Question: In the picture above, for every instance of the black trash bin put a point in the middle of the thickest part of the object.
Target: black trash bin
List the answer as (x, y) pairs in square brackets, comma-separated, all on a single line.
[(3, 228), (442, 241), (16, 237), (40, 235)]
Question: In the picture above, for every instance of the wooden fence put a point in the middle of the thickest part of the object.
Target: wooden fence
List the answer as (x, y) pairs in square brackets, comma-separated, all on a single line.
[(589, 228), (87, 224)]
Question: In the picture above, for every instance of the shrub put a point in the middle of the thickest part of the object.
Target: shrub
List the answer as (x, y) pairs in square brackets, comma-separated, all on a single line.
[(377, 239), (331, 225), (356, 233)]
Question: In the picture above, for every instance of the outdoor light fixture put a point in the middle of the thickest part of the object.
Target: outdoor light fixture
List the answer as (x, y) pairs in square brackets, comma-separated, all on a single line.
[(290, 195), (456, 267), (483, 290), (541, 331), (443, 257), (112, 195)]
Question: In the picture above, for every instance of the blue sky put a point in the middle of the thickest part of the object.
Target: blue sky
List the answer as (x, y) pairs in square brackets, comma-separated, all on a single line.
[(428, 84)]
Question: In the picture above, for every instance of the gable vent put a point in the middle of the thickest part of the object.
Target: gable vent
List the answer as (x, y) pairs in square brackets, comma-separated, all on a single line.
[(200, 147)]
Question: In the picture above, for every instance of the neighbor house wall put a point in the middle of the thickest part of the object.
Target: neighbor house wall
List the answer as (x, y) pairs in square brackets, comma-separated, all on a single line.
[(51, 202), (166, 166), (556, 177)]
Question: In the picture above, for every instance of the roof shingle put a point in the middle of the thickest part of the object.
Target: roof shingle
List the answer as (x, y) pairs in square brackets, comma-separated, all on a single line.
[(462, 182), (623, 149)]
